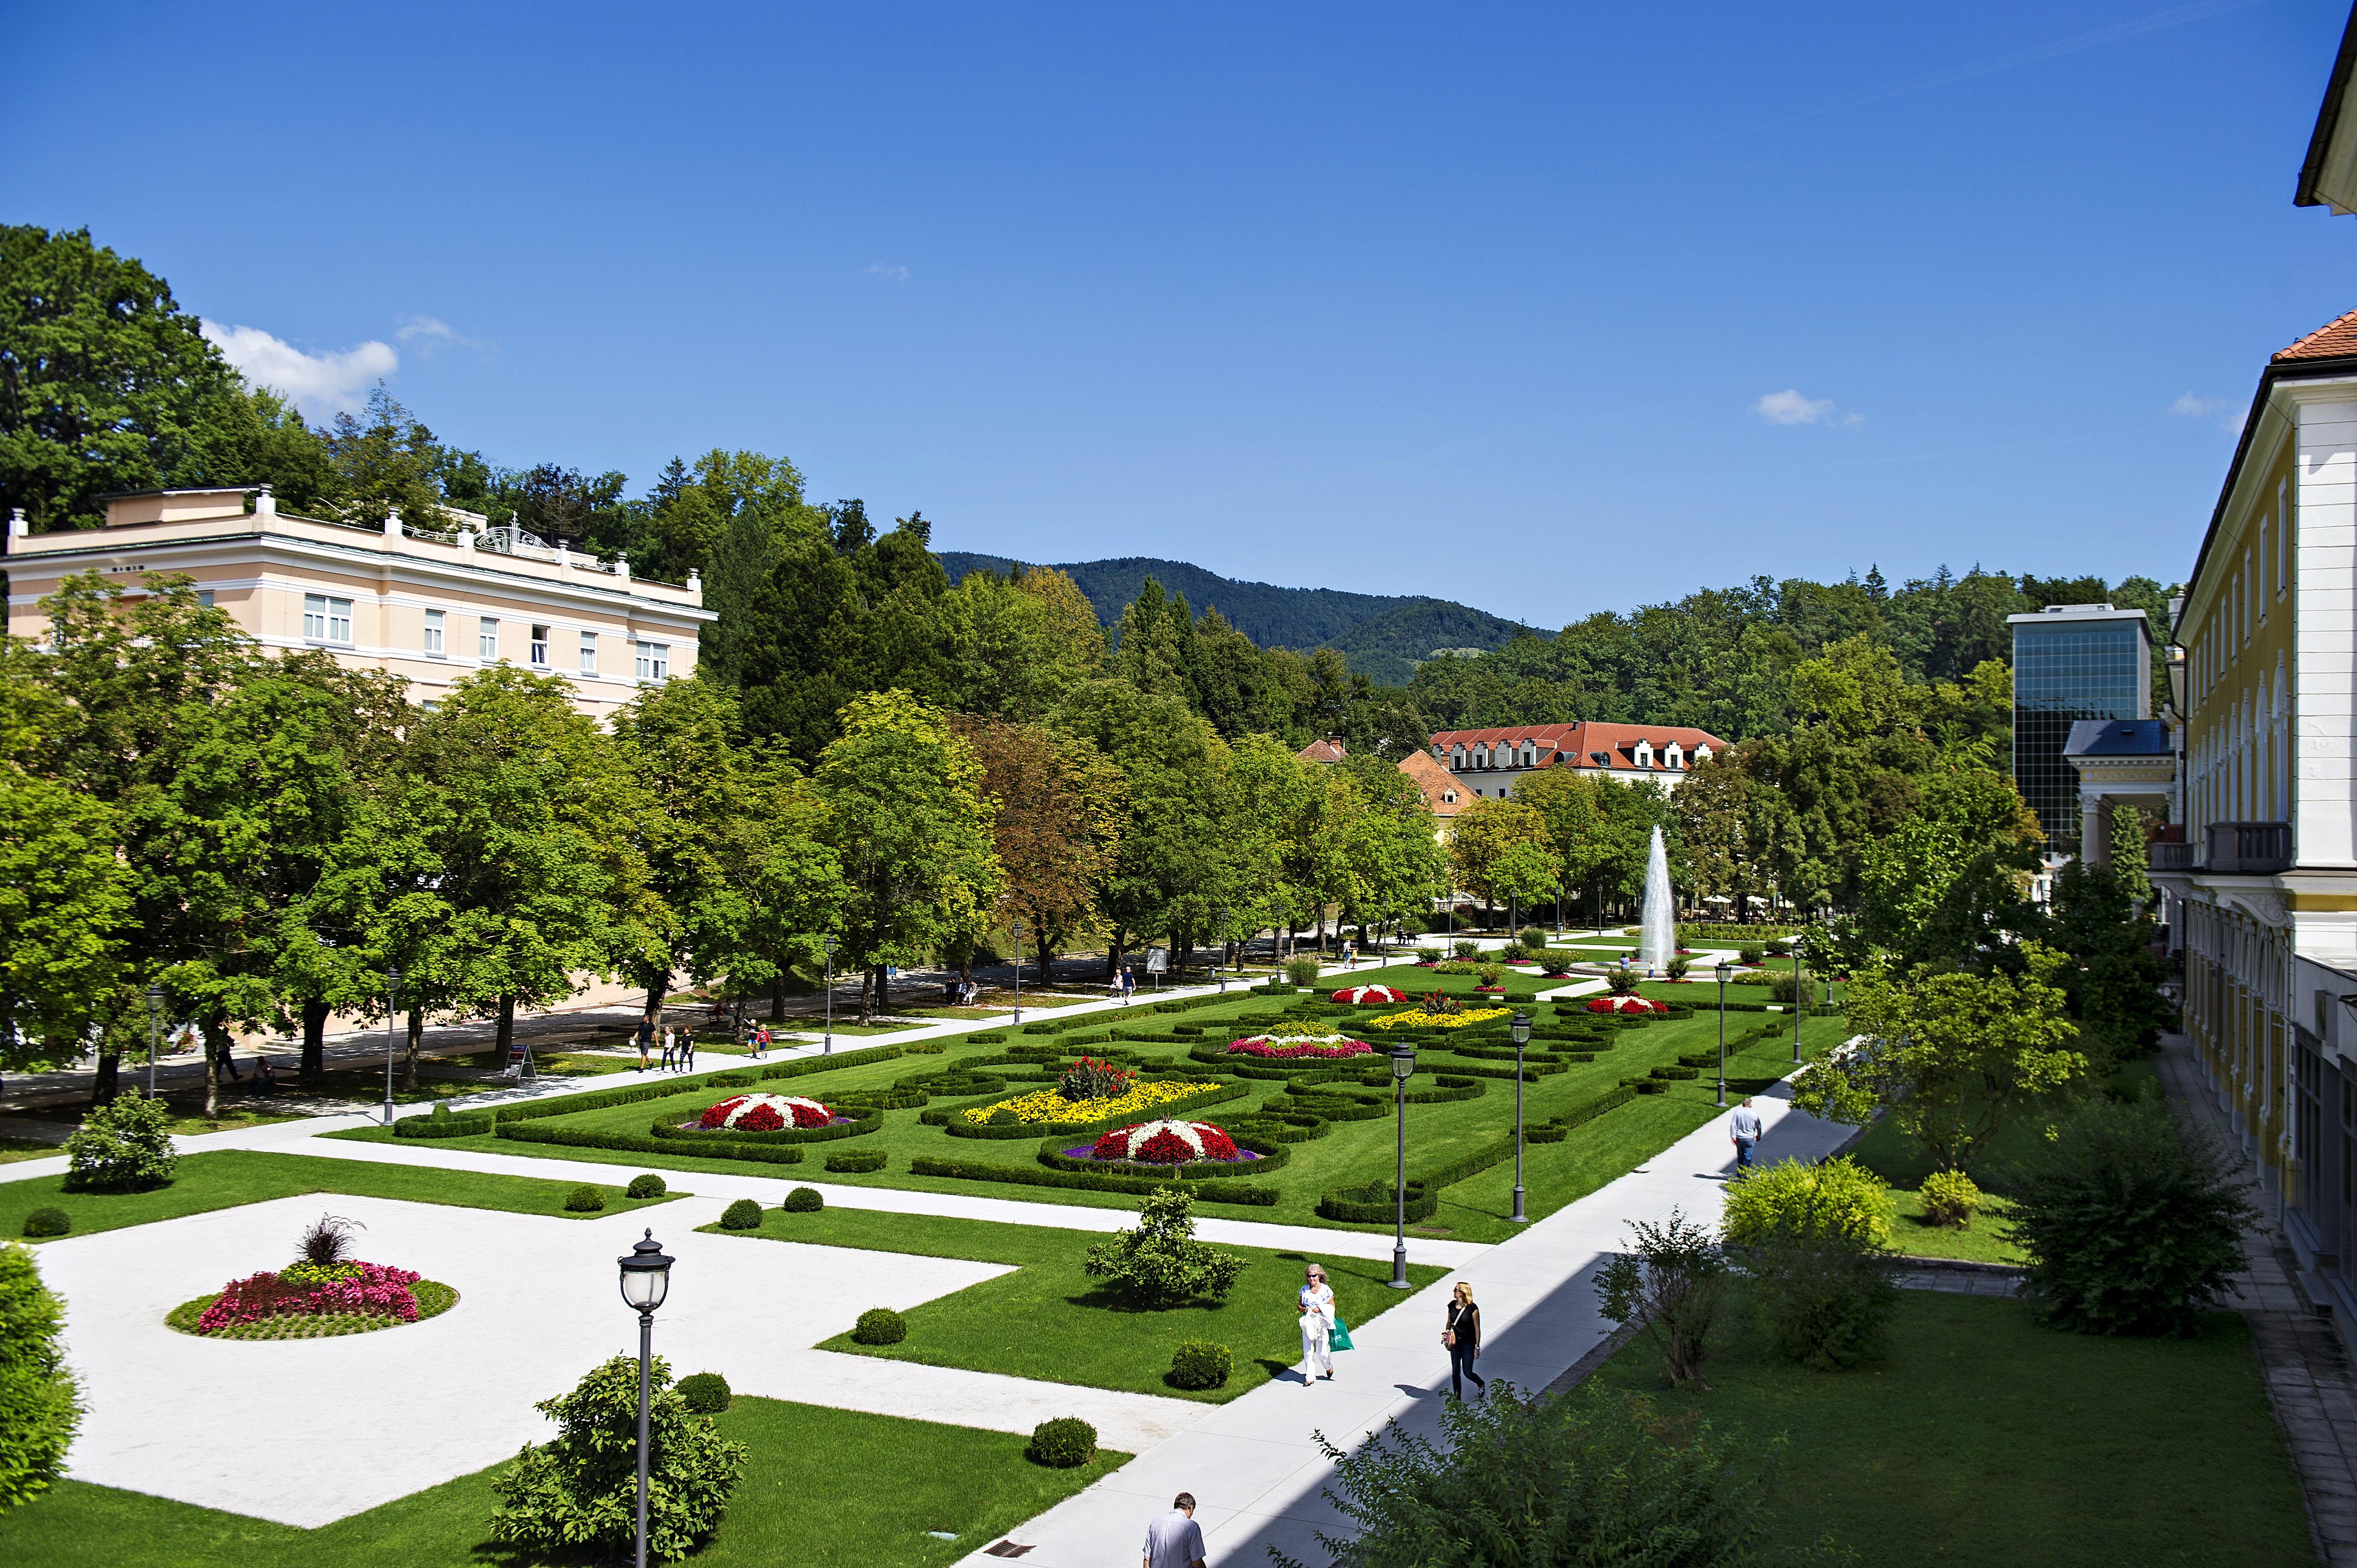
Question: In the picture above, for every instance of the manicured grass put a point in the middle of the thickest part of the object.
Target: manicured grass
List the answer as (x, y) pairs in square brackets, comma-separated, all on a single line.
[(1350, 1153), (1983, 1438), (821, 1488), (14, 1149), (234, 1177), (1048, 1320)]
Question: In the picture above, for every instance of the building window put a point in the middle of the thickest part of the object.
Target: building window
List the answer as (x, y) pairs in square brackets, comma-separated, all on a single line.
[(589, 653), (540, 646), (325, 619), (205, 597), (434, 633), (654, 662), (487, 638)]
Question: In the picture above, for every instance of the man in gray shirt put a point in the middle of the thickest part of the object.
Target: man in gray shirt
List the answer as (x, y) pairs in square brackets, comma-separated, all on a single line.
[(1174, 1539), (1743, 1132)]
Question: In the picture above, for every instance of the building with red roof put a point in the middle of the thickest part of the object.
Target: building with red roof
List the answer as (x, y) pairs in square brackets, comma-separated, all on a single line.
[(1487, 761)]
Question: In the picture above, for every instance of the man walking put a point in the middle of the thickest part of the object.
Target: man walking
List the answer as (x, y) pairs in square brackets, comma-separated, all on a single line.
[(1743, 1132), (1174, 1539)]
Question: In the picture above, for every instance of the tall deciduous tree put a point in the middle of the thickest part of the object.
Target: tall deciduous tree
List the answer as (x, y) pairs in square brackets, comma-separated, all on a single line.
[(911, 828), (1057, 808), (1500, 849)]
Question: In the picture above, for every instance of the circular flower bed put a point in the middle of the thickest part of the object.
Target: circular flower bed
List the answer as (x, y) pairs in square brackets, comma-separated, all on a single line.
[(314, 1301), (1382, 995), (1166, 1143), (1625, 1004), (766, 1113), (1294, 1047)]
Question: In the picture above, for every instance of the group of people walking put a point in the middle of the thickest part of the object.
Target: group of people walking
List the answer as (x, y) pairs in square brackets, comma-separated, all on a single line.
[(1323, 1332), (678, 1047)]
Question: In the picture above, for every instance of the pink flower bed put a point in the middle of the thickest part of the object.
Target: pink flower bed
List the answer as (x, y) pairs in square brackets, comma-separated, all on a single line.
[(1625, 1004), (1166, 1143), (377, 1290), (766, 1113), (1379, 994), (1295, 1051)]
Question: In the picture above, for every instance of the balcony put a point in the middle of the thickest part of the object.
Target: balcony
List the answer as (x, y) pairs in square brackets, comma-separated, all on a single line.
[(2175, 856), (2246, 849)]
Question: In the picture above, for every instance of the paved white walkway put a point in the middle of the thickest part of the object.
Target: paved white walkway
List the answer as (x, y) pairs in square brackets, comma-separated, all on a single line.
[(1254, 1465)]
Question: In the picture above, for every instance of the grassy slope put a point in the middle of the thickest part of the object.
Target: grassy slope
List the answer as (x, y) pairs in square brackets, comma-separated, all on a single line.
[(1984, 1439), (886, 1483), (231, 1177), (1352, 1153), (1048, 1319)]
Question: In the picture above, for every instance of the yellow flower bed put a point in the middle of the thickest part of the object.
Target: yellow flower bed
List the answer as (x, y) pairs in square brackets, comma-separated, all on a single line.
[(1418, 1017), (1047, 1105)]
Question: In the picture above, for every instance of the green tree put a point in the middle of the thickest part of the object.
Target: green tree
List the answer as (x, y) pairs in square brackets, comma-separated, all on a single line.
[(912, 830), (1944, 884), (1500, 849), (1056, 809), (40, 1406)]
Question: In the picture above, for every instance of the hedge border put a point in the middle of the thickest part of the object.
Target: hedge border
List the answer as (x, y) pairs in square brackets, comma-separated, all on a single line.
[(857, 1128), (1213, 1191), (703, 1148), (1273, 1156), (1213, 1094)]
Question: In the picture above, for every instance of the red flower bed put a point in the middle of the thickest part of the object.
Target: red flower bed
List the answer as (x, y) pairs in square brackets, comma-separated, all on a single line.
[(1262, 1046), (1166, 1143), (375, 1291), (1625, 1004), (1382, 995), (765, 1114)]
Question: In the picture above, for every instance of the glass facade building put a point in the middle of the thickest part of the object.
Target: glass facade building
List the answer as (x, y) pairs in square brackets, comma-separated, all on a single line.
[(2072, 662)]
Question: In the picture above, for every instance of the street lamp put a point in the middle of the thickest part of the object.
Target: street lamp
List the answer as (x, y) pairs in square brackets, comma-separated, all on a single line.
[(1522, 1033), (392, 1016), (827, 944), (1403, 1055), (1726, 973), (1276, 943), (1800, 993), (154, 1023), (1018, 974), (1223, 950), (646, 1280)]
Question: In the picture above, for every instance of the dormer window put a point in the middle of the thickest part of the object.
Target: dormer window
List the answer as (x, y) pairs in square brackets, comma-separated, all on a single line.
[(1530, 754), (1701, 755), (1644, 754), (1457, 761), (1449, 797), (1674, 758)]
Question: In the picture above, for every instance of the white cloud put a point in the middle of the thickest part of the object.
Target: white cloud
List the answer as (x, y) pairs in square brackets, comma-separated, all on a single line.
[(2230, 417), (428, 333), (319, 384), (886, 270), (1789, 407)]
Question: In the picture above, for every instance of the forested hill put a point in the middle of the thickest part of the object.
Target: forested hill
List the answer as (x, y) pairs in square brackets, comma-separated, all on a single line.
[(1382, 635)]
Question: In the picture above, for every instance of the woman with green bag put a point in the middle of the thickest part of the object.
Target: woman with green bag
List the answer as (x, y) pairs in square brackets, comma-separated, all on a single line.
[(1321, 1323)]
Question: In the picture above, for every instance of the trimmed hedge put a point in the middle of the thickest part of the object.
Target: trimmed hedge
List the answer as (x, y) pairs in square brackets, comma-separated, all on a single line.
[(1033, 1176), (829, 1134), (856, 1162), (626, 1143), (1376, 1203), (444, 1125)]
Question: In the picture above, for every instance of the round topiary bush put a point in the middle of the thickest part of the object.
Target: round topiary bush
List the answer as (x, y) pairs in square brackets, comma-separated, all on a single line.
[(882, 1325), (742, 1215), (1793, 1201), (48, 1222), (124, 1146), (583, 1199), (1062, 1444), (643, 1187), (706, 1393), (1950, 1198), (1199, 1364), (856, 1162), (804, 1200)]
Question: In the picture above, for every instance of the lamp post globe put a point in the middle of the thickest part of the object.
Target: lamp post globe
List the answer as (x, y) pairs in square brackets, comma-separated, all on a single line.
[(646, 1280), (1726, 972), (155, 1023), (392, 1016), (1402, 1057), (1522, 1033)]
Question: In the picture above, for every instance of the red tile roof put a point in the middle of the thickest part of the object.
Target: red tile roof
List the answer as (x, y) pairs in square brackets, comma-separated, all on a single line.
[(1327, 750), (1592, 744), (2333, 340), (1439, 785)]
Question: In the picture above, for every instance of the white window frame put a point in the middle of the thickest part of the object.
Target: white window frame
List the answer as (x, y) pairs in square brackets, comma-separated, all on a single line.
[(539, 649), (589, 653), (435, 625), (655, 662), (328, 619), (487, 638)]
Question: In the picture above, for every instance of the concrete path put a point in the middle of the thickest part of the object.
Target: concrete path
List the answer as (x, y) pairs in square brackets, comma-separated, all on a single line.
[(311, 1431), (1257, 1465)]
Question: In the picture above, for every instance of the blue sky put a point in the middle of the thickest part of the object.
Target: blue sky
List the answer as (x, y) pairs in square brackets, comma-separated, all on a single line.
[(1474, 301)]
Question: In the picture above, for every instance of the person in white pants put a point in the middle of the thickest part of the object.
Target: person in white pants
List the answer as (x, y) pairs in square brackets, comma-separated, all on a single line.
[(1317, 1322)]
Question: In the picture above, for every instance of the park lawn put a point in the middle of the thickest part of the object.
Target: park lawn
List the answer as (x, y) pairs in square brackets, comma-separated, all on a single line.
[(1048, 1320), (1982, 1438), (886, 1482), (14, 1149), (229, 1177)]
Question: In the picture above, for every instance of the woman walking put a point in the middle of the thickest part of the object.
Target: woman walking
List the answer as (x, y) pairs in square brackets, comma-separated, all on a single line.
[(1463, 1337), (1317, 1308)]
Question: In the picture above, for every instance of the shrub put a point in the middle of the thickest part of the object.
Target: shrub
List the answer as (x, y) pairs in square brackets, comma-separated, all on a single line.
[(1534, 938), (1748, 955), (1622, 980), (1835, 1197), (583, 1199), (2130, 1221), (48, 1222), (124, 1146), (1427, 955), (742, 1215), (1513, 951), (1301, 971), (1593, 1476), (879, 1326), (705, 1393), (1822, 1301), (856, 1161), (1003, 1117), (1062, 1444), (1673, 1285), (1950, 1198), (1199, 1364), (645, 1187), (37, 1391), (575, 1496), (1677, 968), (804, 1200), (1464, 948), (1491, 973), (1160, 1263), (1089, 1079)]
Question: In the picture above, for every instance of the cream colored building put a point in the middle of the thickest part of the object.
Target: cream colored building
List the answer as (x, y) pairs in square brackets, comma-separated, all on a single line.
[(430, 606)]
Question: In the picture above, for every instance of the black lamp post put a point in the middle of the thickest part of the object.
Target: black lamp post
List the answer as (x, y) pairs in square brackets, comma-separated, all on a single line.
[(1522, 1033), (826, 945), (646, 1280), (1403, 1055), (1726, 972), (1018, 974), (1800, 995), (1223, 950), (392, 1016), (1277, 944), (155, 1023)]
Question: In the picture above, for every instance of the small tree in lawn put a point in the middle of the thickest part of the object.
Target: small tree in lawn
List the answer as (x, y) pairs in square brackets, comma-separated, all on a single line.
[(1160, 1263), (38, 1405), (1951, 1056), (124, 1145), (577, 1495), (1673, 1284)]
